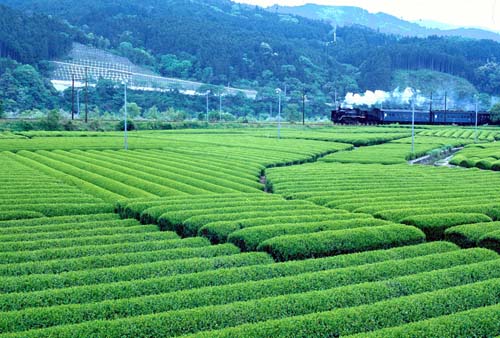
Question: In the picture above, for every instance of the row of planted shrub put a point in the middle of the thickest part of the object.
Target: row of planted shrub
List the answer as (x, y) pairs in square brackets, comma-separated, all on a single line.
[(128, 272), (152, 173), (337, 311), (218, 218), (114, 260), (346, 321), (153, 284), (480, 234), (302, 285), (163, 243), (28, 193)]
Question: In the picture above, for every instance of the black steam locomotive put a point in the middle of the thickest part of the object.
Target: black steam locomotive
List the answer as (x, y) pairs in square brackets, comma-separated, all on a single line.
[(379, 116)]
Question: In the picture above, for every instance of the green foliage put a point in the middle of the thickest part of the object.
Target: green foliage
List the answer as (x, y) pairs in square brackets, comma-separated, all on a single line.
[(115, 260), (468, 235), (483, 321), (69, 253), (389, 313), (291, 112), (434, 226), (495, 113), (133, 110), (252, 294), (311, 312), (190, 281), (22, 87), (33, 38), (121, 125), (327, 243), (19, 214), (491, 240), (136, 55), (128, 272), (2, 110)]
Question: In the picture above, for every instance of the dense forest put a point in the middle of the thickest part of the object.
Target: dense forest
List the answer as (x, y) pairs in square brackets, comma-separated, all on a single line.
[(221, 42)]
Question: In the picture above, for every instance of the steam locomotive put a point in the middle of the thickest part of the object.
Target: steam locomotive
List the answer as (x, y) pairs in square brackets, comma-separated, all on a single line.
[(379, 116)]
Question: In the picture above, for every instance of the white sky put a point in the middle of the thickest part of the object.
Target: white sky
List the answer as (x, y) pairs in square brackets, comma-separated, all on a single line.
[(463, 13)]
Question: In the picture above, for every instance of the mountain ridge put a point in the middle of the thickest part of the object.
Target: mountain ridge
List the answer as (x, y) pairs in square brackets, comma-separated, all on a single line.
[(381, 21)]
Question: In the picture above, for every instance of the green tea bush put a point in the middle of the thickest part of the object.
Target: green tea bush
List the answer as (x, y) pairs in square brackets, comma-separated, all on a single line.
[(435, 225), (129, 272), (305, 292), (468, 235), (149, 285), (248, 239), (327, 243), (491, 241), (350, 318)]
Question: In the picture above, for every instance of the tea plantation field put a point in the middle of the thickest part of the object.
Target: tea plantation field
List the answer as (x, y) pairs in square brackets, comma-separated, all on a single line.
[(325, 232)]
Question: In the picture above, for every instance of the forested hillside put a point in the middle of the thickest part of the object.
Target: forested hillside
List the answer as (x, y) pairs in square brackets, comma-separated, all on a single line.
[(221, 42), (34, 37)]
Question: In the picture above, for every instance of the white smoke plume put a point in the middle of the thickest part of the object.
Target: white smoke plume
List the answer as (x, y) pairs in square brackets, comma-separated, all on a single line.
[(370, 98)]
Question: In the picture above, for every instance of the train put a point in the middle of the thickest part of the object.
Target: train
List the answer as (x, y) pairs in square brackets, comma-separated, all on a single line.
[(385, 116)]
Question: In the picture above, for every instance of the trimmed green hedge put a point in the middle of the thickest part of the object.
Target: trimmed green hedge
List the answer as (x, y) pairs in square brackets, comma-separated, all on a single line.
[(94, 250), (155, 284), (192, 225), (126, 227), (491, 241), (91, 240), (78, 227), (47, 221), (480, 322), (114, 260), (19, 214), (396, 215), (129, 272), (343, 314), (435, 225), (219, 231), (297, 290), (468, 235), (327, 243), (62, 209), (176, 213), (33, 161), (248, 239), (339, 322)]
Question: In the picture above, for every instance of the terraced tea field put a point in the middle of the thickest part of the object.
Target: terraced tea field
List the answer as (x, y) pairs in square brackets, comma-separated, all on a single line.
[(233, 233)]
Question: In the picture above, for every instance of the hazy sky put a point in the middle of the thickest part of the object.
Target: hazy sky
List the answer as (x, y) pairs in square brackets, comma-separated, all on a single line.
[(477, 13)]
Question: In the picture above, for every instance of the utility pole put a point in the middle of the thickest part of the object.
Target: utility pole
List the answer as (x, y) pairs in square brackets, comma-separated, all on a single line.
[(86, 95), (445, 105), (125, 127), (303, 107), (207, 103), (220, 106), (72, 96), (431, 113), (475, 128), (77, 103), (278, 91), (413, 125)]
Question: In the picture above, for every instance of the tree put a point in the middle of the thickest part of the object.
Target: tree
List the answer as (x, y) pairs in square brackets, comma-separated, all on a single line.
[(53, 121), (152, 113), (2, 111), (488, 77), (495, 113), (133, 110), (291, 112), (171, 66), (376, 71)]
